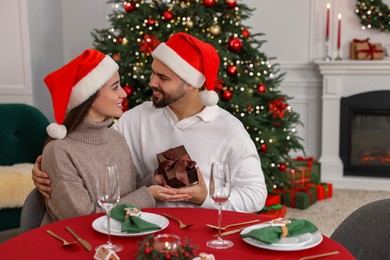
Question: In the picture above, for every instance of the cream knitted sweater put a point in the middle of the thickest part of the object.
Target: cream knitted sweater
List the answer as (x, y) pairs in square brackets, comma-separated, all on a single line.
[(73, 164)]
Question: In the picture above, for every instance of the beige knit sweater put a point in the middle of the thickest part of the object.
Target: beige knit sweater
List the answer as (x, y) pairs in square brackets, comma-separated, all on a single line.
[(73, 164)]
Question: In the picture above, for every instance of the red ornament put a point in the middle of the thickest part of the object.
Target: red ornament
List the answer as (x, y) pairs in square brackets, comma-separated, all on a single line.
[(277, 124), (250, 108), (148, 250), (150, 22), (277, 107), (168, 15), (129, 7), (128, 90), (119, 40), (148, 44), (263, 148), (282, 167), (186, 254), (125, 104), (116, 57), (235, 44), (231, 3), (227, 95), (232, 70), (209, 2), (245, 33), (261, 88), (219, 84), (167, 256)]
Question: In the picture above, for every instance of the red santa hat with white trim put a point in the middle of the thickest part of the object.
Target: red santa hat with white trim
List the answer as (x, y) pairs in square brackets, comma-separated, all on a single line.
[(194, 61), (75, 82)]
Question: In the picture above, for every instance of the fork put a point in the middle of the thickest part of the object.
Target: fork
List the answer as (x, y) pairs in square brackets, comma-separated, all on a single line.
[(181, 224), (233, 225)]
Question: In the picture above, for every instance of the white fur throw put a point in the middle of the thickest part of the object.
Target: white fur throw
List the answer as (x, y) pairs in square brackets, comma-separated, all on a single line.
[(15, 184)]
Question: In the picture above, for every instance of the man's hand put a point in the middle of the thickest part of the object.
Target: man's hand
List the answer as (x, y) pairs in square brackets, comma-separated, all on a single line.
[(198, 192), (41, 179), (166, 193)]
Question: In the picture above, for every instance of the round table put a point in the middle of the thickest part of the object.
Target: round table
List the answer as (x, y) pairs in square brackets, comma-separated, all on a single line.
[(38, 244)]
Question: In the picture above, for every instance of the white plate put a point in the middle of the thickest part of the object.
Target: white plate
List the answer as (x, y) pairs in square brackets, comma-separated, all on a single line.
[(302, 242), (100, 225)]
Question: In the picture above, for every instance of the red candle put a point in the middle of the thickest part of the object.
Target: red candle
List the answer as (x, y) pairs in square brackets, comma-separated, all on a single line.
[(327, 20), (339, 32)]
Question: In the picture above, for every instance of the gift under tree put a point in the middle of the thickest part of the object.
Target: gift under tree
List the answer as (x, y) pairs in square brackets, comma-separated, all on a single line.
[(247, 80)]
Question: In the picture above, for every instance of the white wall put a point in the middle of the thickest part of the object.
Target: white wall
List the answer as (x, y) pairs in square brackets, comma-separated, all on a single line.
[(294, 31)]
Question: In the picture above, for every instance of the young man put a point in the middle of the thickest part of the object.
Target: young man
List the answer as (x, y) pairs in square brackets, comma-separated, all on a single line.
[(180, 115)]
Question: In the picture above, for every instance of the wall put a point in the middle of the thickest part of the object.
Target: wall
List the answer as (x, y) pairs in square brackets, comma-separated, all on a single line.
[(294, 34)]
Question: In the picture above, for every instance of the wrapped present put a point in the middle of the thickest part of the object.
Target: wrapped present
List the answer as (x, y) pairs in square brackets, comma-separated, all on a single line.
[(272, 199), (312, 164), (176, 168), (274, 211), (324, 190), (298, 177), (300, 199), (364, 50)]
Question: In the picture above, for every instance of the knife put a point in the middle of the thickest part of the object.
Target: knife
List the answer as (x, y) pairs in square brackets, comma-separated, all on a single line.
[(275, 222), (82, 241)]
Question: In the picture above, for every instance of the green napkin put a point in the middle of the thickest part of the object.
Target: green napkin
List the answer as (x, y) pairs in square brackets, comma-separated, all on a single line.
[(133, 224), (271, 235)]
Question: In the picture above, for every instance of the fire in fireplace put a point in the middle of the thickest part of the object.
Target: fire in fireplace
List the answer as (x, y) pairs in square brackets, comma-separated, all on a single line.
[(365, 134)]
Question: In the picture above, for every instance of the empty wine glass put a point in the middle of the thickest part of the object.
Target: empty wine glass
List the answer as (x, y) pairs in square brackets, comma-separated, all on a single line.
[(219, 191), (108, 196)]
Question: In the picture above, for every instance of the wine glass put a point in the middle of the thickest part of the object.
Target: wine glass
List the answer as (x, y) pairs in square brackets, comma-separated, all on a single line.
[(219, 191), (108, 196)]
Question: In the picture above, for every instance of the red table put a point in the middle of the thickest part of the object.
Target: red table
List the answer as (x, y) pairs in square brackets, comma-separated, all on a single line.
[(38, 244)]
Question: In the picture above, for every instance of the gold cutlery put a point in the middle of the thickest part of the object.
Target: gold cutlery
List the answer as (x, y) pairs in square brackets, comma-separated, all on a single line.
[(82, 241), (181, 224), (65, 243), (233, 225), (320, 255), (230, 232)]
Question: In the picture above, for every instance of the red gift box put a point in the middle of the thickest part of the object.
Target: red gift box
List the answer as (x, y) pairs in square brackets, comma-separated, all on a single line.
[(272, 199), (324, 190), (274, 211)]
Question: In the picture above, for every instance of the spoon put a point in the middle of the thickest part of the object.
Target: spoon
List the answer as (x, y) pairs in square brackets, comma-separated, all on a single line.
[(65, 243), (233, 225), (181, 224)]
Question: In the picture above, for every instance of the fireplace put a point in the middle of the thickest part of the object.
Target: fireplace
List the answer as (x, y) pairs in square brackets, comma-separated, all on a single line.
[(365, 134), (354, 151)]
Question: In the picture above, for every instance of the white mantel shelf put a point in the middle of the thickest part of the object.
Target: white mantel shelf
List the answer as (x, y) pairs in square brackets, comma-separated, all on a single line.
[(343, 79)]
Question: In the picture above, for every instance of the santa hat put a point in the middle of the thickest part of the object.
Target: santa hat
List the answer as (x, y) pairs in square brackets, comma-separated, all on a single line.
[(74, 83), (194, 61)]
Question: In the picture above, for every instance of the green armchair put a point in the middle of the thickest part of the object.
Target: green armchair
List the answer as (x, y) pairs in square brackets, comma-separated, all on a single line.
[(22, 136)]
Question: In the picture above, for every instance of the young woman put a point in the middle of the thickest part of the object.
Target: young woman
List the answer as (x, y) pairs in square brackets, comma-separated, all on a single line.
[(82, 143)]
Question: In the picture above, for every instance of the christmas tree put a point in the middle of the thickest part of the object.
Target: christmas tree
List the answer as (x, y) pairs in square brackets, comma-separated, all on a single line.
[(247, 80)]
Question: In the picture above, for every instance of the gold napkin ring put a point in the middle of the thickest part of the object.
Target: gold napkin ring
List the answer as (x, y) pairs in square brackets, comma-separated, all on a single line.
[(284, 231)]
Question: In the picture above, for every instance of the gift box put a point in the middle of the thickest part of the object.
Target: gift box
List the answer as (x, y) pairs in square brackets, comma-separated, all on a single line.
[(274, 211), (310, 163), (324, 190), (298, 177), (364, 50), (176, 168), (300, 199), (272, 199)]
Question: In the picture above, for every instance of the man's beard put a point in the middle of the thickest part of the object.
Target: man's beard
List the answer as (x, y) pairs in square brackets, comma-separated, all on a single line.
[(170, 98)]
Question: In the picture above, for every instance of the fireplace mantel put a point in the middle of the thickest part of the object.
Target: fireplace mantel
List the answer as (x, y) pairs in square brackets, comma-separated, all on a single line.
[(344, 79)]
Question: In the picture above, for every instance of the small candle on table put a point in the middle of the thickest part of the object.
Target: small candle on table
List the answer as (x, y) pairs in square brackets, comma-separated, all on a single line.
[(339, 31), (327, 19)]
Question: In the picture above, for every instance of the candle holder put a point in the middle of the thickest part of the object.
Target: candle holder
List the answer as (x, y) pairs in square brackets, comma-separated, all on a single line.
[(166, 243), (327, 55), (338, 55)]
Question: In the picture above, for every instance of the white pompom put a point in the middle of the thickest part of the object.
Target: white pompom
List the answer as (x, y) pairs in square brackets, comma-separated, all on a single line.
[(209, 98), (56, 131)]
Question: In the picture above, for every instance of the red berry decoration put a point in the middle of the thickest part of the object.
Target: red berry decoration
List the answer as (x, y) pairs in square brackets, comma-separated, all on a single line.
[(168, 15), (129, 7), (245, 33), (128, 90), (231, 3), (227, 95), (209, 2), (263, 148), (282, 167), (261, 88), (232, 70), (235, 44)]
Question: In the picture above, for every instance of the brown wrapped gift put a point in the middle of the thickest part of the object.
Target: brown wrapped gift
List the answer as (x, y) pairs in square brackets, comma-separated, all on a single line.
[(352, 51), (364, 50), (176, 168)]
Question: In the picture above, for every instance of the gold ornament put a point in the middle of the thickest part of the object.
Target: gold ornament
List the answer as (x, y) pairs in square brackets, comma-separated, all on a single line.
[(215, 29), (189, 23), (125, 41)]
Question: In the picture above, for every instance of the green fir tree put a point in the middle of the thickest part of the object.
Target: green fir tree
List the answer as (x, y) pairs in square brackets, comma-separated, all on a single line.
[(247, 80)]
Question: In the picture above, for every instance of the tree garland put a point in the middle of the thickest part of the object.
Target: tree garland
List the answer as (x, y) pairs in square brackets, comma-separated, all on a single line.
[(373, 14)]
